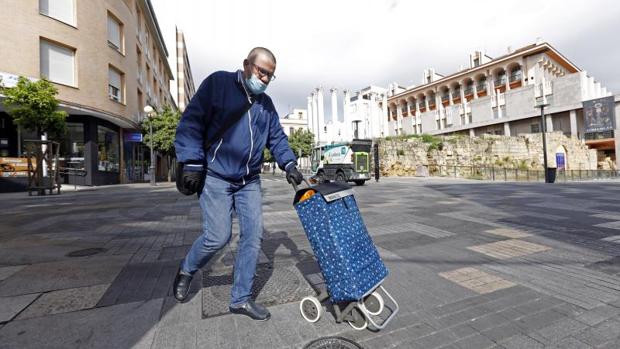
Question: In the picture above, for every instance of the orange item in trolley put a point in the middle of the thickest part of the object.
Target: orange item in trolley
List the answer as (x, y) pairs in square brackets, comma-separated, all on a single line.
[(307, 195)]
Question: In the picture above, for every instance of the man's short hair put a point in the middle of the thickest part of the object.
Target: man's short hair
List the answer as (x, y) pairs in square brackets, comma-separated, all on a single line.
[(261, 50)]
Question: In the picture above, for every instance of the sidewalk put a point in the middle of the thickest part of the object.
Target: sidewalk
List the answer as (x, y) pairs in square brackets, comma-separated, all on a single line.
[(473, 265)]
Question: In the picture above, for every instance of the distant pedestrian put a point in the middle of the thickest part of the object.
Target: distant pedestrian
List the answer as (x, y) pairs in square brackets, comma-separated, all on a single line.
[(234, 162)]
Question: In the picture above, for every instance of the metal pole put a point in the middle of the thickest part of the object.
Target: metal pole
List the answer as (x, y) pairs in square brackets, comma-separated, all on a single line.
[(153, 160), (544, 140)]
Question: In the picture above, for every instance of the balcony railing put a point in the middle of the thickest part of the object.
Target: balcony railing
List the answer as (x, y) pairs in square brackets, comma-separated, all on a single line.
[(469, 91), (456, 93), (501, 81), (515, 76), (481, 87), (445, 98)]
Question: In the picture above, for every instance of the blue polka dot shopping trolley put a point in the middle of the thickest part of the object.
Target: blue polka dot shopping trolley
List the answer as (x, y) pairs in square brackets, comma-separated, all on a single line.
[(350, 264)]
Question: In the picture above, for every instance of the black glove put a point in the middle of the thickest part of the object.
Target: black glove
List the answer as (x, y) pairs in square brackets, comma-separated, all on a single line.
[(293, 175), (191, 178)]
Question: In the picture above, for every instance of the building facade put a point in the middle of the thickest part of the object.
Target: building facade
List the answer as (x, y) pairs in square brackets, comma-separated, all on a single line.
[(184, 79), (294, 121), (107, 59), (364, 114), (500, 96)]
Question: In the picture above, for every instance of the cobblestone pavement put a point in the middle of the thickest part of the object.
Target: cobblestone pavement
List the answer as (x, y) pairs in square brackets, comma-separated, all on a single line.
[(472, 265)]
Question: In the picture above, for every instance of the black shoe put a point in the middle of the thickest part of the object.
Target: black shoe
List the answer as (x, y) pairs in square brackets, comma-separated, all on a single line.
[(181, 286), (253, 310)]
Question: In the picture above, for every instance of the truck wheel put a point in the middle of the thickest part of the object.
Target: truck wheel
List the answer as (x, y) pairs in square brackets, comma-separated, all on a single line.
[(340, 177), (360, 182)]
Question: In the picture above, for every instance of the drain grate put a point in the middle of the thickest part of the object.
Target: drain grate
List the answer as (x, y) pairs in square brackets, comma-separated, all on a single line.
[(271, 287), (86, 252), (332, 343)]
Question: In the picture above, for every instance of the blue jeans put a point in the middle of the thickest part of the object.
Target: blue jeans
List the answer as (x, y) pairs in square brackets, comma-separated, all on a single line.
[(218, 199)]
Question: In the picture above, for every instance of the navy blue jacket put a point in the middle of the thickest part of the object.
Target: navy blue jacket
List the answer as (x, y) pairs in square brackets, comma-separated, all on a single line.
[(238, 155)]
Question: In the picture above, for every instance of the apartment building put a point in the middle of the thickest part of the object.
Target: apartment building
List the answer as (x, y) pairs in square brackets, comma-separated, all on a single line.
[(184, 79), (500, 95), (293, 121), (107, 59)]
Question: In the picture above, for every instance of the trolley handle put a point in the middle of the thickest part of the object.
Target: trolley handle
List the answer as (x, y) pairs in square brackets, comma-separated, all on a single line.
[(295, 186)]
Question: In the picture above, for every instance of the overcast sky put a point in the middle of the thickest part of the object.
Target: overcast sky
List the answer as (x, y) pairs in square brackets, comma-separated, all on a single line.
[(354, 43)]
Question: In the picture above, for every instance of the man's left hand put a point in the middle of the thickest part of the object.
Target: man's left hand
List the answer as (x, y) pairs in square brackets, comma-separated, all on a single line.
[(294, 176)]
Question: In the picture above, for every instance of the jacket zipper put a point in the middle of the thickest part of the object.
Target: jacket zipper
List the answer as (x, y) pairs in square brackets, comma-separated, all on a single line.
[(217, 148), (247, 165)]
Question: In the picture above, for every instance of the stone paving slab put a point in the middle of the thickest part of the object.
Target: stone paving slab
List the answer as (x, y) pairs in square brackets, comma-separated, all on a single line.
[(509, 233), (64, 301), (509, 249), (477, 280), (11, 306), (5, 272), (120, 326), (141, 282), (72, 273)]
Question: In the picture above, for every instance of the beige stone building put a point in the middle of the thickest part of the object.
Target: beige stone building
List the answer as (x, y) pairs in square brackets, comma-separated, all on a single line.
[(499, 96), (184, 78), (108, 60)]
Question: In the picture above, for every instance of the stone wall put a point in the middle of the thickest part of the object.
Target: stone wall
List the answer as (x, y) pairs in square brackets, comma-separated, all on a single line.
[(407, 156)]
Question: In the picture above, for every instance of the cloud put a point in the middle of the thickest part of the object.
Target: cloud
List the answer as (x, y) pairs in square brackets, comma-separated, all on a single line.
[(352, 44)]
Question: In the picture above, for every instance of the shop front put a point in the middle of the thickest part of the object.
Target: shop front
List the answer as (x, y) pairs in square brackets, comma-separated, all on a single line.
[(93, 152)]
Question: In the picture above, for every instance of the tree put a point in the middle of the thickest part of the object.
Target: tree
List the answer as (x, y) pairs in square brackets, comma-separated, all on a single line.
[(32, 105), (267, 157), (164, 131), (301, 140)]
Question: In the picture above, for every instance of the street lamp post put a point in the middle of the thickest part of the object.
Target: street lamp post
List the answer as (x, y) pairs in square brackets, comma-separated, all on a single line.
[(148, 110), (544, 140), (542, 103)]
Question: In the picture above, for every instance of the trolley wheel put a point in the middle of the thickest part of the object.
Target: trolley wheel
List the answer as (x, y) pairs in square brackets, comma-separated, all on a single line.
[(311, 309), (374, 303), (359, 321)]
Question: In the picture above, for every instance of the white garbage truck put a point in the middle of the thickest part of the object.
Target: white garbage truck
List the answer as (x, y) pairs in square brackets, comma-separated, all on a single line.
[(343, 162)]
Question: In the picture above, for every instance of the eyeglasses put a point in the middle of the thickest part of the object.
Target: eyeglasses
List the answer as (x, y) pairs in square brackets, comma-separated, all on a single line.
[(264, 72)]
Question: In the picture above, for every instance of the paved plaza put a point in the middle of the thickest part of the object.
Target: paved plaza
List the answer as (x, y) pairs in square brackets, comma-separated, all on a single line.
[(472, 265)]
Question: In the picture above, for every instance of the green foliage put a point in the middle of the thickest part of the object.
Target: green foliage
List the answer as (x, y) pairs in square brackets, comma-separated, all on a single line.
[(301, 140), (523, 165), (32, 105), (164, 130), (436, 146), (267, 157), (400, 152), (426, 138), (435, 143)]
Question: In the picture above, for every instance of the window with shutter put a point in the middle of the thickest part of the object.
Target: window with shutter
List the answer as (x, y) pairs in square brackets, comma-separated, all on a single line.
[(57, 63), (62, 10), (115, 85), (115, 37)]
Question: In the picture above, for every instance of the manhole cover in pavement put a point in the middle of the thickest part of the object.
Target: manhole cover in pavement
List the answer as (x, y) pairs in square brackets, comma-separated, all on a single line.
[(86, 252), (271, 287), (332, 343)]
